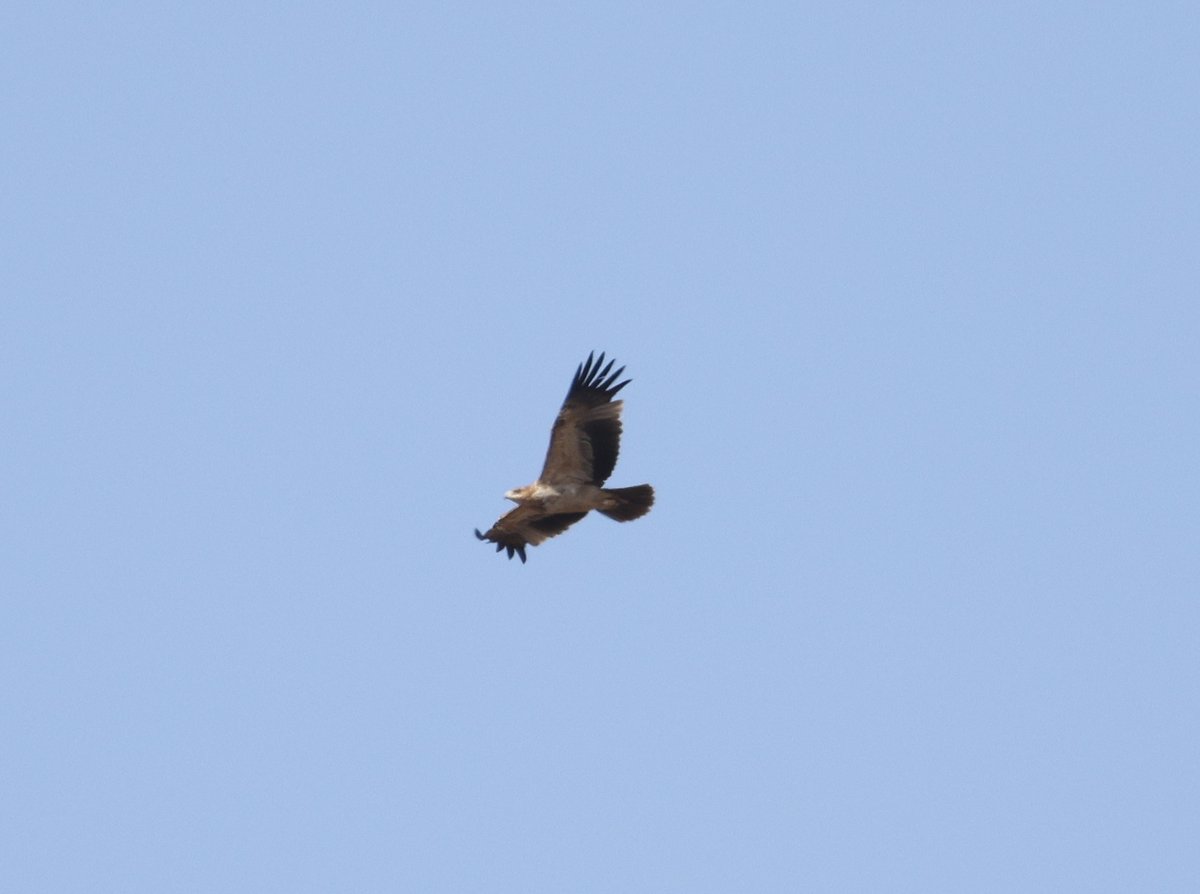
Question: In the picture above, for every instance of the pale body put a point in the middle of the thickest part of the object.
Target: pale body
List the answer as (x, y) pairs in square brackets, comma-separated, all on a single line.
[(566, 497)]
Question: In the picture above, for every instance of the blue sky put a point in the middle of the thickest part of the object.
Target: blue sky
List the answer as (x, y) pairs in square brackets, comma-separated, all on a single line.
[(908, 294)]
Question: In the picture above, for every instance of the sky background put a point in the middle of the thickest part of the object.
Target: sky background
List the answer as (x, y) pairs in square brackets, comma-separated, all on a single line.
[(289, 297)]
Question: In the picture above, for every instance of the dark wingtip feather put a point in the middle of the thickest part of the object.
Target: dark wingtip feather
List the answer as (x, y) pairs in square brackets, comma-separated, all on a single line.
[(512, 549), (593, 375)]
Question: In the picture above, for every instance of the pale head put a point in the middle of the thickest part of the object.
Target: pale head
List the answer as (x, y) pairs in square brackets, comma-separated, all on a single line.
[(518, 494)]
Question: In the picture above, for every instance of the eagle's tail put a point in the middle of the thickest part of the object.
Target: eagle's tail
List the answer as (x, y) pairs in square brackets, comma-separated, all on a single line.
[(627, 503)]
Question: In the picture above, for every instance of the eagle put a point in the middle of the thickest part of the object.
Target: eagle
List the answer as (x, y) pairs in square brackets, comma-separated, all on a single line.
[(583, 449)]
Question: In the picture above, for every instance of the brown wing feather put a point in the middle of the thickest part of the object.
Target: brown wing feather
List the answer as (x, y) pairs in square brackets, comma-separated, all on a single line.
[(586, 437), (527, 525)]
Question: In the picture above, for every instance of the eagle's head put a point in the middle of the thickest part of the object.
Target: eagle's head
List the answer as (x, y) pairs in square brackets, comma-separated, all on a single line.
[(519, 494)]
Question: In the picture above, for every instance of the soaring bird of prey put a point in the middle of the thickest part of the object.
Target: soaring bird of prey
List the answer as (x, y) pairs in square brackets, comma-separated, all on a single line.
[(583, 450)]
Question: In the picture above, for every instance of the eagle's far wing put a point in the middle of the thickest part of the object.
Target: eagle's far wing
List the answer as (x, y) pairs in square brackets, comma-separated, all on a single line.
[(527, 525), (586, 436)]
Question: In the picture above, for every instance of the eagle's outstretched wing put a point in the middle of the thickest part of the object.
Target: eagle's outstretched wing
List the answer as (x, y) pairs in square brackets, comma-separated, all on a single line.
[(586, 436), (527, 525)]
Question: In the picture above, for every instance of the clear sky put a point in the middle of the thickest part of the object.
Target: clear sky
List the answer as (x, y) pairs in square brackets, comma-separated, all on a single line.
[(290, 294)]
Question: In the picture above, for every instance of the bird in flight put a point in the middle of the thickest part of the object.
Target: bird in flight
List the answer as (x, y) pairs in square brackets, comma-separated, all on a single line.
[(583, 450)]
